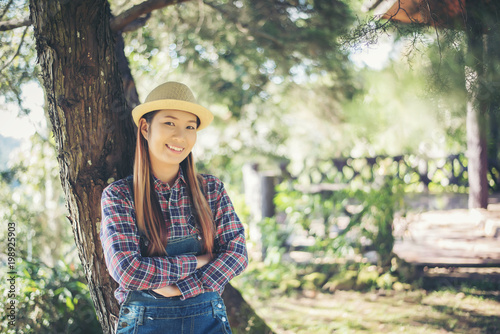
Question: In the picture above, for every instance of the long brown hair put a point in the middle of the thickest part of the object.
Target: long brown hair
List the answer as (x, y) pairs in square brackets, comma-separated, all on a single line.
[(150, 220)]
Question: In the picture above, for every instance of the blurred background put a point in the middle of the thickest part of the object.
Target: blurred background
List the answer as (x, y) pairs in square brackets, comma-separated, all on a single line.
[(340, 133)]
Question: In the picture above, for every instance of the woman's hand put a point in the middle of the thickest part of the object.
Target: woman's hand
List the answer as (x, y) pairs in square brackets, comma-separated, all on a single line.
[(203, 260), (168, 291), (173, 290)]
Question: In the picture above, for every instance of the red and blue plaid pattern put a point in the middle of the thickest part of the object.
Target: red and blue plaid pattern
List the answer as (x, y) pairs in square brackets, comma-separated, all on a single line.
[(120, 240)]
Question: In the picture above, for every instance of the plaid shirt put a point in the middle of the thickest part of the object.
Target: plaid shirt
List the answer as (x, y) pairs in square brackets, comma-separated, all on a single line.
[(120, 240)]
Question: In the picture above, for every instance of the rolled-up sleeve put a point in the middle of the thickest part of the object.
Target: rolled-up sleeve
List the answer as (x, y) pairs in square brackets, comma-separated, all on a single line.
[(230, 253), (120, 242)]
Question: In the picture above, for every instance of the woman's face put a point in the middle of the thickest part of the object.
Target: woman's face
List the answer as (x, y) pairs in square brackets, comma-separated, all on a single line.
[(171, 136)]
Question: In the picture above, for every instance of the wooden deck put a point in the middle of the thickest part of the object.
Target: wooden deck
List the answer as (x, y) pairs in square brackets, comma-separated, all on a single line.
[(450, 238)]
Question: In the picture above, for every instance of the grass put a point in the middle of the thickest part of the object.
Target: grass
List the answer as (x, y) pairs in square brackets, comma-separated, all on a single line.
[(410, 312)]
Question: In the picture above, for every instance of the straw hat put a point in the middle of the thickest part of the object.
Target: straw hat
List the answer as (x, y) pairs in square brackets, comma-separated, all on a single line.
[(174, 96)]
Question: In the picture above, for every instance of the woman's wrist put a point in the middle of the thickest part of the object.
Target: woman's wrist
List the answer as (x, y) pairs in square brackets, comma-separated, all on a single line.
[(203, 260), (169, 291)]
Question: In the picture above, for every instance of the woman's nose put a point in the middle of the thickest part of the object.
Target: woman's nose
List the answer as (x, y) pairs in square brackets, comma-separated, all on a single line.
[(179, 134)]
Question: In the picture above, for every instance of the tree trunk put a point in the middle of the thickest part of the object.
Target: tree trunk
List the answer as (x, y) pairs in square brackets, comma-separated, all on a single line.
[(242, 317), (492, 55), (477, 106), (90, 122), (94, 132)]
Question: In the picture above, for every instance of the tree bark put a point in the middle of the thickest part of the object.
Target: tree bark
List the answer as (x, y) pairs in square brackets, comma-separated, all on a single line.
[(477, 106), (90, 121), (242, 317), (492, 55), (85, 75)]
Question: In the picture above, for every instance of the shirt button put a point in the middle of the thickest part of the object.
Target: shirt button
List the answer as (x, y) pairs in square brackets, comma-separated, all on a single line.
[(199, 237), (219, 305), (126, 311), (124, 324), (223, 319)]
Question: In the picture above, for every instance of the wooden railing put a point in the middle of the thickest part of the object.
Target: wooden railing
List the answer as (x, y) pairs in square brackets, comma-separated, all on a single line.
[(451, 170)]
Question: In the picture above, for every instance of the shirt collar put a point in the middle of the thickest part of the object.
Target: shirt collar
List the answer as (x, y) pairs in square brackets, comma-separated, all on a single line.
[(164, 186)]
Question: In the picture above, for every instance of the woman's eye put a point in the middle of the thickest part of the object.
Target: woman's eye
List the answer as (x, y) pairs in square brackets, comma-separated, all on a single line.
[(169, 123), (190, 127)]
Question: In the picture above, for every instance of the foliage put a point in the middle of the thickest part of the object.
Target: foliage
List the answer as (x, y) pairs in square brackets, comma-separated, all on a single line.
[(33, 199), (51, 296), (237, 47), (256, 64), (350, 219), (50, 300), (17, 54), (291, 278), (274, 240)]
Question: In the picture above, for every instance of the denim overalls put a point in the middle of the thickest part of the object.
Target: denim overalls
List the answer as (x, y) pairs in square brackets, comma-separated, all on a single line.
[(145, 311)]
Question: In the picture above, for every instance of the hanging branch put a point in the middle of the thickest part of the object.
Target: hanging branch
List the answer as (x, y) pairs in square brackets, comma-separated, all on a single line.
[(17, 52), (434, 23)]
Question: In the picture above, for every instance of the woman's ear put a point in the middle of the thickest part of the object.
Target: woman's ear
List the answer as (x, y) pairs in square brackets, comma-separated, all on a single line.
[(144, 128)]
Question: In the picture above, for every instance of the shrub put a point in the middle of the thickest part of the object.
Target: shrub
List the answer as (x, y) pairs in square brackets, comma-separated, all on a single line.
[(50, 300)]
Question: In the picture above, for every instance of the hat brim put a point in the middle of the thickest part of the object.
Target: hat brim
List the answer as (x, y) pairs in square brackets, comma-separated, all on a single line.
[(205, 116)]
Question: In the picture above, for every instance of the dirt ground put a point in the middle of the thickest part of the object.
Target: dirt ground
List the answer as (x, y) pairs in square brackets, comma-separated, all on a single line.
[(409, 312)]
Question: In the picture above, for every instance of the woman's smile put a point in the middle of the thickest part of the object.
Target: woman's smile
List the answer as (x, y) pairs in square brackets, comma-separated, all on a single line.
[(175, 148)]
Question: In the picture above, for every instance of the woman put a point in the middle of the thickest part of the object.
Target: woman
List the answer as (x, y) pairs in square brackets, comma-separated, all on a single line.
[(171, 238)]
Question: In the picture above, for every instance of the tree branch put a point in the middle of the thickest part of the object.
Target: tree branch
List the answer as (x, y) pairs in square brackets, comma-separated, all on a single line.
[(118, 23), (14, 23), (375, 5)]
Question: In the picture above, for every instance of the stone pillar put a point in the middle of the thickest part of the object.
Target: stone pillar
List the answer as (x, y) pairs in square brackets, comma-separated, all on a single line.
[(259, 197)]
